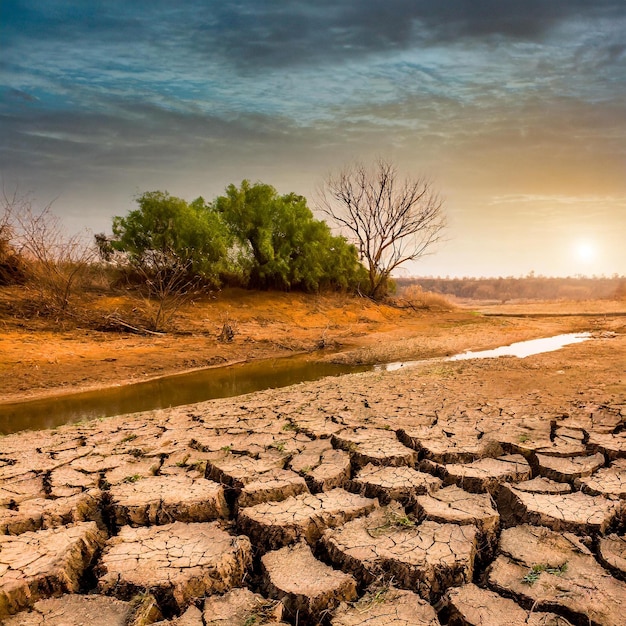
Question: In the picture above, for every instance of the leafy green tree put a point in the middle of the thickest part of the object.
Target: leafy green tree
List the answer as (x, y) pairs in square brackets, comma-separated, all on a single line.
[(286, 245), (327, 261), (166, 231)]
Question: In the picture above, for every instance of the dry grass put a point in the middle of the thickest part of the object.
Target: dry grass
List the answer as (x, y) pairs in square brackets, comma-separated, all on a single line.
[(414, 297)]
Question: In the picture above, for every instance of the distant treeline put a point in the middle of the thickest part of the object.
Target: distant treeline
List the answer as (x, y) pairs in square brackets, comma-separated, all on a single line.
[(527, 288)]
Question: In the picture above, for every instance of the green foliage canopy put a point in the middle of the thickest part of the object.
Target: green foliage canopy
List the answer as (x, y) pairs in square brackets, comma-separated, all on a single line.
[(287, 246), (167, 229), (250, 235)]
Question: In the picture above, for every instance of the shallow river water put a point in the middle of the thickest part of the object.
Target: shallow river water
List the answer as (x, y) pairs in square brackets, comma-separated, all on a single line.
[(223, 382), (520, 349)]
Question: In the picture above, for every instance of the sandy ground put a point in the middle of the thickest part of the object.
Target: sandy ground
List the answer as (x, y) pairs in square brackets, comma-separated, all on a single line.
[(38, 359)]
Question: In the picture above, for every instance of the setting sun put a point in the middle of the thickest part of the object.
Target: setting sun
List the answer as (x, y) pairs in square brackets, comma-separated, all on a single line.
[(585, 251)]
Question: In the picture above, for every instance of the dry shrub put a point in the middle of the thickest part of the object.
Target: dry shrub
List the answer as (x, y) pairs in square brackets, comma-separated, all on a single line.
[(414, 297), (164, 291), (57, 264), (54, 265), (13, 269), (157, 288), (12, 266)]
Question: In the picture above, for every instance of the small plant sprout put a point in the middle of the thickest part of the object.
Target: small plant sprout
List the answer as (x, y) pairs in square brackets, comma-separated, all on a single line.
[(379, 596), (183, 461), (133, 479), (379, 592), (532, 576), (393, 521), (199, 466)]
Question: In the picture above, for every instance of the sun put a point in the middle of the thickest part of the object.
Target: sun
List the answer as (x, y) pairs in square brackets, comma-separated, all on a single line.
[(585, 251)]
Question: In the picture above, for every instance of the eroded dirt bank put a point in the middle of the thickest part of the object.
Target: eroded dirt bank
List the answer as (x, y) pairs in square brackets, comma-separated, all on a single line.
[(38, 358), (452, 493)]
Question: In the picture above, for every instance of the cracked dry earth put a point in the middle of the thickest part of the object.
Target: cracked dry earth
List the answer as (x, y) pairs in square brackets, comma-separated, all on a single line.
[(467, 494)]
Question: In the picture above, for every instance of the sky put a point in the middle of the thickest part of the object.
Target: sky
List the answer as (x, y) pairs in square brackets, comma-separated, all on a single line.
[(515, 110)]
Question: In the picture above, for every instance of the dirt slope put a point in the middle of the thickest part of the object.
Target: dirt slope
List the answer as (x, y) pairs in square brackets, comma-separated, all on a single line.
[(38, 357)]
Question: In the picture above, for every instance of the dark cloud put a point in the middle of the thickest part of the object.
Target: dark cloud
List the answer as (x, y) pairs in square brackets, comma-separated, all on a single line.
[(530, 19), (68, 20), (274, 33), (134, 140)]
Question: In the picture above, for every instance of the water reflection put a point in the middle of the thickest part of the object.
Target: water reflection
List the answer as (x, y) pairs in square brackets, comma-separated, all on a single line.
[(519, 349), (224, 382), (169, 391), (523, 349)]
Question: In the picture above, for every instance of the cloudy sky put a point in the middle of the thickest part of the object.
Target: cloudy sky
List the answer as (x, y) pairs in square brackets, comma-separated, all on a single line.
[(516, 110)]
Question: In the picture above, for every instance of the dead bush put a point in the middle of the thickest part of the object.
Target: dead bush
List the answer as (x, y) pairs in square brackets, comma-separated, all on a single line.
[(414, 297), (54, 264), (13, 270), (12, 266), (161, 287)]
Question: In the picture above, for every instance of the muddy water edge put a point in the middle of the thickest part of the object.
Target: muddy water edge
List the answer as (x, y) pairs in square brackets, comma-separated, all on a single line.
[(223, 382)]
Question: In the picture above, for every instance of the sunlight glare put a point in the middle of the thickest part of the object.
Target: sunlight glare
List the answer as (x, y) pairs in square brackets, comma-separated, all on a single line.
[(585, 251)]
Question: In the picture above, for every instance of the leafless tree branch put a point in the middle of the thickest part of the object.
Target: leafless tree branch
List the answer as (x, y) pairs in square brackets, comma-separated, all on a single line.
[(56, 261), (392, 221)]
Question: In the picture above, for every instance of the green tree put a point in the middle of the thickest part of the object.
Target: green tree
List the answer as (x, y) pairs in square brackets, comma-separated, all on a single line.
[(326, 261), (166, 231), (287, 247)]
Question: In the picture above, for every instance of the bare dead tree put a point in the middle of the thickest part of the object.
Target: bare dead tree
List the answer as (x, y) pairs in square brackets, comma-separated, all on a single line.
[(391, 221)]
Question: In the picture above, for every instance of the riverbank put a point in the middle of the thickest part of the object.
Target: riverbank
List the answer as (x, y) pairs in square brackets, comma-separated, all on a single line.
[(39, 358)]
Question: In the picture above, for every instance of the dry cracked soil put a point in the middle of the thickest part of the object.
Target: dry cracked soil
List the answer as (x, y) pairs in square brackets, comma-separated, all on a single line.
[(469, 493)]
